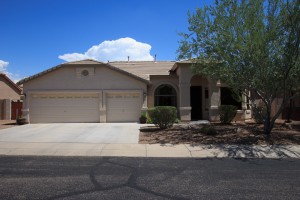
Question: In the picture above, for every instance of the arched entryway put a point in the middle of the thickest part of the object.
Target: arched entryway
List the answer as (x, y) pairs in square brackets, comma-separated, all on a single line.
[(165, 95)]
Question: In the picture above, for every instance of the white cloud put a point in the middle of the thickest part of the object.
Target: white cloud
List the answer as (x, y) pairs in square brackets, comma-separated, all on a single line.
[(114, 50), (3, 66), (73, 57), (3, 69)]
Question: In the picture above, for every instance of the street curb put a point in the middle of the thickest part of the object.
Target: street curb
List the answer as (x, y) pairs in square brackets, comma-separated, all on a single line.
[(151, 150)]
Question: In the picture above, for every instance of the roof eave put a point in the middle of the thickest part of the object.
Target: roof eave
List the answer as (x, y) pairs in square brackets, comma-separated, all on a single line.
[(39, 74), (11, 82)]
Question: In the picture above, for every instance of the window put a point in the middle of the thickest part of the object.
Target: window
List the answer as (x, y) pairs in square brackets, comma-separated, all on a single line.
[(165, 95)]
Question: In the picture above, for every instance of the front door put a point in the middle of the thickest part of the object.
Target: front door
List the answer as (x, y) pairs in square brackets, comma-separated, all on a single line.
[(196, 102), (16, 109)]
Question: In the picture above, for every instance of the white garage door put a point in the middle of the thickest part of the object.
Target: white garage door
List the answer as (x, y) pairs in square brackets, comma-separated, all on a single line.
[(64, 108), (123, 107)]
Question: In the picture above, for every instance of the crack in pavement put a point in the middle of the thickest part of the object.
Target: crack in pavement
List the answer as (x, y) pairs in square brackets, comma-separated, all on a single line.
[(131, 182)]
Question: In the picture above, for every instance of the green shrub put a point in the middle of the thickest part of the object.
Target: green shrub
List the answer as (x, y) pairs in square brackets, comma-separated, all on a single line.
[(143, 117), (259, 114), (208, 130), (20, 120), (149, 120), (227, 113), (163, 116), (144, 114)]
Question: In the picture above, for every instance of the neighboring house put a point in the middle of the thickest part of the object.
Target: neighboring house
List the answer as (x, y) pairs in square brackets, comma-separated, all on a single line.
[(10, 105), (91, 91)]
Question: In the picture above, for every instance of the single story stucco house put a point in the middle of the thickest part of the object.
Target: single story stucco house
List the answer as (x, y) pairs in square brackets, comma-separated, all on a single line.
[(92, 91), (10, 94)]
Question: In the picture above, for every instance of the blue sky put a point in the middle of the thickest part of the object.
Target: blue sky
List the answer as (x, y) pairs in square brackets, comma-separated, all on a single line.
[(39, 34)]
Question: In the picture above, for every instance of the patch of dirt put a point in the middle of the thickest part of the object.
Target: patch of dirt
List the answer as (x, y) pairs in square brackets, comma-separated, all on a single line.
[(7, 123), (238, 133)]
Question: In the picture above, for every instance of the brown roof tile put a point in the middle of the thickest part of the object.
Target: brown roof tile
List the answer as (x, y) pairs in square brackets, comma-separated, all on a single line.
[(144, 69)]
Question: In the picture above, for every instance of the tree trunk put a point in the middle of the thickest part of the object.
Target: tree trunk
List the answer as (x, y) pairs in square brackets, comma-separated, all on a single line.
[(268, 126), (288, 120), (269, 122)]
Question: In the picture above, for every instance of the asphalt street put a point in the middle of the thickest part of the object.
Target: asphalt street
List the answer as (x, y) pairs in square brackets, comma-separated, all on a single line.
[(30, 177)]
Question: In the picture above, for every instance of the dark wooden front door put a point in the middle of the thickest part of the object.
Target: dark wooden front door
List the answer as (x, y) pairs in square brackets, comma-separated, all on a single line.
[(16, 109), (196, 102)]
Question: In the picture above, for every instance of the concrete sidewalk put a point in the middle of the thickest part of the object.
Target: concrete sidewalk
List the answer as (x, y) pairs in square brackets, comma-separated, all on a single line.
[(149, 150)]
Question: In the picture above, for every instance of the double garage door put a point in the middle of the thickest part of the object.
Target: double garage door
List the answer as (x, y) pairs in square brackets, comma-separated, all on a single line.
[(82, 107)]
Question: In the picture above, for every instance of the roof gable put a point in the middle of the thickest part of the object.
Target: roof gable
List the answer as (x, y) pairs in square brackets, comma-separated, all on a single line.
[(83, 62), (11, 82)]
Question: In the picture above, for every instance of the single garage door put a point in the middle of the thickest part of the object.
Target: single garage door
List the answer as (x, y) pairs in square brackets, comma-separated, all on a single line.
[(64, 108), (123, 107)]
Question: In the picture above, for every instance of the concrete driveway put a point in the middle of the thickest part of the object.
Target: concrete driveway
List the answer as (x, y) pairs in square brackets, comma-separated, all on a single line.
[(116, 133)]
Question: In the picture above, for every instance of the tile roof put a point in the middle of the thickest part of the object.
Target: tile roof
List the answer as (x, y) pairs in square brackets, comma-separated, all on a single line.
[(144, 69)]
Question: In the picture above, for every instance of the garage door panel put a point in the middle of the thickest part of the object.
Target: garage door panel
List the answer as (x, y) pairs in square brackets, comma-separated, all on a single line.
[(123, 107), (51, 108)]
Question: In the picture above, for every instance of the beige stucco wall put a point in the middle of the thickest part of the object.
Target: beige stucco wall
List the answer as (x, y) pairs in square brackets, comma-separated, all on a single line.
[(185, 75), (7, 91), (215, 100), (101, 80), (66, 78), (1, 109), (5, 109)]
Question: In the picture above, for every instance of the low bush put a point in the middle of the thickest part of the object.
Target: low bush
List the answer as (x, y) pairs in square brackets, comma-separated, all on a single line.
[(20, 120), (149, 120), (208, 130), (259, 114), (163, 116), (143, 117), (227, 113)]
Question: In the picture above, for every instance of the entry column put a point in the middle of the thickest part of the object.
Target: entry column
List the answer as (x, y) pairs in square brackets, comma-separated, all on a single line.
[(215, 100), (184, 93)]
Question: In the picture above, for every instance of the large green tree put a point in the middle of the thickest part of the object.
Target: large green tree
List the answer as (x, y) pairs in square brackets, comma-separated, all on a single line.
[(251, 45)]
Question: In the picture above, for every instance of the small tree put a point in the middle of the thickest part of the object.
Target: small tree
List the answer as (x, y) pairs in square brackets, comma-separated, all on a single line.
[(252, 45)]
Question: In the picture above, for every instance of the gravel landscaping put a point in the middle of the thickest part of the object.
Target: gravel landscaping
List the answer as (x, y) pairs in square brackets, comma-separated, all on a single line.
[(237, 133)]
